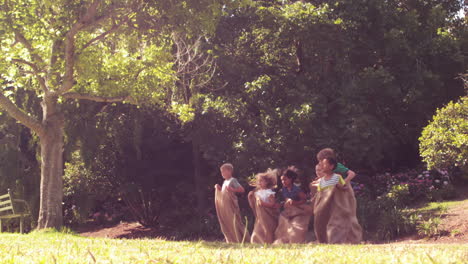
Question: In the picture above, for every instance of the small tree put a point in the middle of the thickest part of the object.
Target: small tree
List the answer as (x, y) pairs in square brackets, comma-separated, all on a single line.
[(444, 142)]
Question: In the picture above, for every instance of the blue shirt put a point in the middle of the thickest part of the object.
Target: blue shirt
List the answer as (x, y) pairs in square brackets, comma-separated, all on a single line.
[(293, 194)]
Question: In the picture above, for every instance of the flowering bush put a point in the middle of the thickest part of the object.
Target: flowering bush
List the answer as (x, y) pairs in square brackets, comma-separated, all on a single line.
[(382, 203), (422, 186)]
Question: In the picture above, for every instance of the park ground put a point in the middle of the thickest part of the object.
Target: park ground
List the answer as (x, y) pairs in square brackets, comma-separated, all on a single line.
[(453, 227), (129, 242), (54, 247)]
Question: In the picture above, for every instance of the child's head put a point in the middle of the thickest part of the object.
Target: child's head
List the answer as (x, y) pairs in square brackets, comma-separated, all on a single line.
[(326, 160), (226, 170), (288, 177), (265, 180), (325, 154)]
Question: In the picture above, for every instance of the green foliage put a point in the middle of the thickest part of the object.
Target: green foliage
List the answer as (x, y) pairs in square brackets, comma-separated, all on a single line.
[(358, 76), (429, 228), (446, 192), (83, 190), (400, 194), (19, 169), (444, 142), (386, 217)]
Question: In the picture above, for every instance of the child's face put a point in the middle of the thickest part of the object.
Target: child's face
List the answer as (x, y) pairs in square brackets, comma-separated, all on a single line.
[(325, 166), (286, 181), (318, 170), (226, 173)]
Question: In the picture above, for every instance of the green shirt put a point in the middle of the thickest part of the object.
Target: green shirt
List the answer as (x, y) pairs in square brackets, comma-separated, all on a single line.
[(341, 169)]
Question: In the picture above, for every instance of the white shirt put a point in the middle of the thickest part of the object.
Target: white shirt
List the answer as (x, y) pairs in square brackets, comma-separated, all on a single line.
[(264, 194), (232, 182)]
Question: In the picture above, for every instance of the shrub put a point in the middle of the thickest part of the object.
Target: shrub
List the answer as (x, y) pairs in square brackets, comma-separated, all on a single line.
[(429, 228), (444, 142), (82, 191), (385, 218), (400, 194)]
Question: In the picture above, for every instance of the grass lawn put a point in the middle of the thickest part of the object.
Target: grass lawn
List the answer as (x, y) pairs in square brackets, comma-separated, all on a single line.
[(54, 247)]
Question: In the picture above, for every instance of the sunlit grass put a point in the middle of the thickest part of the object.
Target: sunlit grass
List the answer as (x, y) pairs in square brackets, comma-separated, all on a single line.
[(54, 247), (442, 205)]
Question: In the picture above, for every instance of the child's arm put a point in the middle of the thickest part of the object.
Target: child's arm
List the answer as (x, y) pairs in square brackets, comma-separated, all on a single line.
[(271, 202), (302, 200), (349, 176), (342, 170), (239, 189), (342, 184)]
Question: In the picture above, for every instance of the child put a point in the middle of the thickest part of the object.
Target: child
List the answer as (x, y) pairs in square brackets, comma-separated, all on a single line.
[(262, 202), (294, 219), (264, 193), (227, 207), (335, 207), (346, 173)]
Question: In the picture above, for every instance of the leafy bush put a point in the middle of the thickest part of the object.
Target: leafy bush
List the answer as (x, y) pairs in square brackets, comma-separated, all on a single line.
[(400, 194), (429, 228), (444, 142), (382, 204), (385, 218), (422, 185), (82, 191)]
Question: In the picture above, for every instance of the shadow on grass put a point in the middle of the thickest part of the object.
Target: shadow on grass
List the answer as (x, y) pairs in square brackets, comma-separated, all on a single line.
[(224, 245)]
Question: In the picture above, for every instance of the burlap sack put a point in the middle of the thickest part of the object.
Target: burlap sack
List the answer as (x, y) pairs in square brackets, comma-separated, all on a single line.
[(266, 221), (227, 209), (335, 218), (293, 224)]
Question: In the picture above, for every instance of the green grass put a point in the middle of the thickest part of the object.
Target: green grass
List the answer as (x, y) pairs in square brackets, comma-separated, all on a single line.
[(54, 247), (436, 206), (436, 209)]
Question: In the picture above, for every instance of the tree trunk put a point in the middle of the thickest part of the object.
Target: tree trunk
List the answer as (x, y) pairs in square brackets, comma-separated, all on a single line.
[(199, 181), (51, 189)]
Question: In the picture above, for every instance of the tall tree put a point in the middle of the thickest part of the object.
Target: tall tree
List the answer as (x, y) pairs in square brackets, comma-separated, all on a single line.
[(65, 50), (98, 50)]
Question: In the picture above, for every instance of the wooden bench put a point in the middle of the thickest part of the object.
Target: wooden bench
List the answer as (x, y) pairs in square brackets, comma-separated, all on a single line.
[(10, 208)]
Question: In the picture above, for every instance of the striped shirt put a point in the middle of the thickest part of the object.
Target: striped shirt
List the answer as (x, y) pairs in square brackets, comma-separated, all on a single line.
[(334, 180)]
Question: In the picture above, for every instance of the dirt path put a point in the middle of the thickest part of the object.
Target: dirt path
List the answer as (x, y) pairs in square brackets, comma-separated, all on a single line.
[(130, 230)]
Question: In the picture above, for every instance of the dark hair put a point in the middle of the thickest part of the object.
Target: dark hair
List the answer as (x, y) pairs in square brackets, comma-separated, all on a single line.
[(326, 153), (332, 161), (290, 174)]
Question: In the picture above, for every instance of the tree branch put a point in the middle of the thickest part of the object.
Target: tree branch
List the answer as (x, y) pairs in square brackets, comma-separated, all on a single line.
[(70, 46), (103, 35), (19, 37), (20, 115), (36, 72), (96, 98)]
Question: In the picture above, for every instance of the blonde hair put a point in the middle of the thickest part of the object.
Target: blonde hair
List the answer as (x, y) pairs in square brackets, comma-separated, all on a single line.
[(269, 177), (227, 166)]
